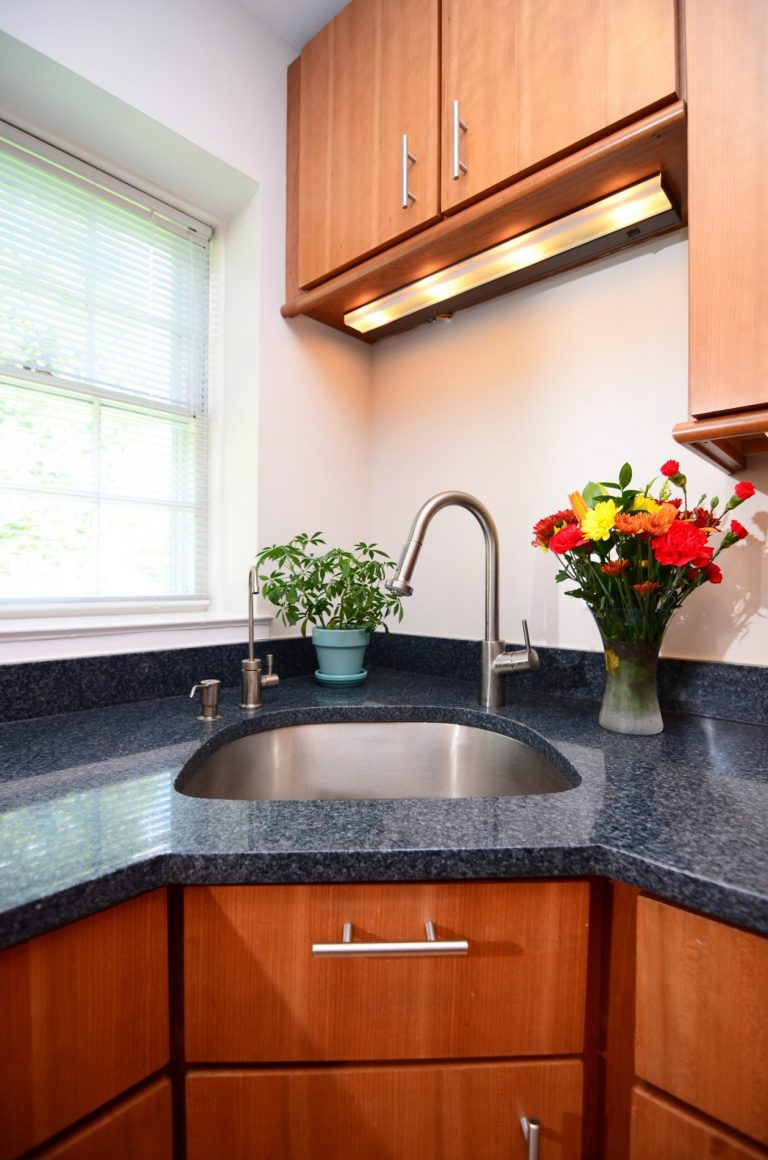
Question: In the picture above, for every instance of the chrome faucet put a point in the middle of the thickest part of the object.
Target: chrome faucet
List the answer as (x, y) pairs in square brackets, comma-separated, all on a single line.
[(253, 678), (495, 663)]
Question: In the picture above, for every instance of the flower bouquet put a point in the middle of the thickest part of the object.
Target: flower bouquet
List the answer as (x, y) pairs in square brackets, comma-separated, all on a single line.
[(634, 557)]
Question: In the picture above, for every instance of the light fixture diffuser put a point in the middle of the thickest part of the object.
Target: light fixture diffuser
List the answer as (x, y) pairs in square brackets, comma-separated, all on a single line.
[(614, 215)]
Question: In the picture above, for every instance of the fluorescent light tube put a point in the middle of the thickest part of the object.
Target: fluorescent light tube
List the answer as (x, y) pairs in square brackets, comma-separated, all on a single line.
[(612, 215)]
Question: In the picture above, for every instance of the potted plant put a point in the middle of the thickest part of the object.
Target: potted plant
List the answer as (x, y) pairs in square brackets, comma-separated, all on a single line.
[(341, 594)]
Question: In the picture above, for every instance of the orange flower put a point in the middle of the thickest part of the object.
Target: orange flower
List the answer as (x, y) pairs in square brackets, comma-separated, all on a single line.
[(660, 521), (630, 525), (578, 505), (614, 567), (646, 587), (654, 523)]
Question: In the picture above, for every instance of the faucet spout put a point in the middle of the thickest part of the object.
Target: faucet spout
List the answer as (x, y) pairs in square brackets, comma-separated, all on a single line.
[(494, 662), (401, 581)]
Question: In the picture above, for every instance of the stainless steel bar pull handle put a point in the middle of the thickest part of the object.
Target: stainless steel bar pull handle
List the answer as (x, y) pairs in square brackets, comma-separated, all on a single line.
[(531, 1133), (431, 947), (407, 196), (458, 125)]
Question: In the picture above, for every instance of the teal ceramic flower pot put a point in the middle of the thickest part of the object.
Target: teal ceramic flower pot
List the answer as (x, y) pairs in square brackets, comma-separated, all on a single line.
[(340, 655)]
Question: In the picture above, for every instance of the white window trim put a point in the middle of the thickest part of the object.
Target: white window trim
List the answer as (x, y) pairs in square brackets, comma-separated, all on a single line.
[(210, 190), (29, 641)]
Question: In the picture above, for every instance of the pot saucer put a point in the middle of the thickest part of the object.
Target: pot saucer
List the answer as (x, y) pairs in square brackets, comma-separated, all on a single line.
[(339, 680)]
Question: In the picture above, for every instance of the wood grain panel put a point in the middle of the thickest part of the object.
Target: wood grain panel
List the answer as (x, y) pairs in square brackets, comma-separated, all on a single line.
[(422, 1112), (662, 1130), (85, 1016), (727, 51), (253, 991), (140, 1126), (539, 77), (368, 77), (619, 1030), (654, 145), (702, 1014)]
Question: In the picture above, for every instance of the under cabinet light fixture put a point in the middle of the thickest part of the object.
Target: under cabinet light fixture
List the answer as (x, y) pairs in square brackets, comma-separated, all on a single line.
[(614, 217)]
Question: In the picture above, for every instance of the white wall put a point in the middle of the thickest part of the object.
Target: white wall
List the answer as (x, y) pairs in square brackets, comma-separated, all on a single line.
[(518, 401), (197, 79), (523, 400)]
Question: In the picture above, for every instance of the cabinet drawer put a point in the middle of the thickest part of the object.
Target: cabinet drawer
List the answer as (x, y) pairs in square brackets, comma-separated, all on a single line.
[(416, 1112), (661, 1129), (702, 1014), (139, 1126), (86, 1017), (254, 991)]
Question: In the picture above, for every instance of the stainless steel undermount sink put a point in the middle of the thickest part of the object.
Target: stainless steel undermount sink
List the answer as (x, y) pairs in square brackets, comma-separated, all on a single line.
[(361, 760)]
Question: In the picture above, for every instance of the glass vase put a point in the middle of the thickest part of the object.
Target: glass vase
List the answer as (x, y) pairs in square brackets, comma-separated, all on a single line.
[(630, 701)]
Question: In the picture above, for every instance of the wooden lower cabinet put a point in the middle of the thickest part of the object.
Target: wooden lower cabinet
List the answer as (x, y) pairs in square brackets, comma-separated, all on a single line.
[(254, 992), (140, 1126), (663, 1131), (702, 1015), (84, 1018), (413, 1112)]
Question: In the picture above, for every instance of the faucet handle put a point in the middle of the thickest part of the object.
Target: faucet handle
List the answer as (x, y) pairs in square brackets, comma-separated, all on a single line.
[(270, 678), (533, 656), (209, 699), (524, 660)]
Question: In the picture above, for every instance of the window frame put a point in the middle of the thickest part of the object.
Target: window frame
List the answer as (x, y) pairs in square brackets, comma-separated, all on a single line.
[(81, 614)]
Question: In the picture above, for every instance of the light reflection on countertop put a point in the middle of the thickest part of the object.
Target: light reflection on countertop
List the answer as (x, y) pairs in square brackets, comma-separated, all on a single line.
[(89, 815)]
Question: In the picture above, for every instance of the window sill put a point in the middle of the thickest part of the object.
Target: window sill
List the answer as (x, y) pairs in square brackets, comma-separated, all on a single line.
[(81, 636)]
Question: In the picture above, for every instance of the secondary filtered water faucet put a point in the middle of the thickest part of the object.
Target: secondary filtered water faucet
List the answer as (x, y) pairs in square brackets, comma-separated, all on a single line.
[(495, 663), (253, 680)]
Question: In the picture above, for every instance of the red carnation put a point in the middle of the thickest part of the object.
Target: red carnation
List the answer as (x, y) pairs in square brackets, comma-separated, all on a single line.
[(683, 544), (744, 489), (671, 467), (566, 539), (545, 529), (713, 574), (739, 531)]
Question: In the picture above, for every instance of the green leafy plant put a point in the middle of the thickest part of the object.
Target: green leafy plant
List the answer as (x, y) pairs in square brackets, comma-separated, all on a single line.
[(333, 589)]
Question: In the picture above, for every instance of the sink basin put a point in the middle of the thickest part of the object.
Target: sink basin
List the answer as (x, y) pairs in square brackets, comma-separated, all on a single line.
[(372, 759)]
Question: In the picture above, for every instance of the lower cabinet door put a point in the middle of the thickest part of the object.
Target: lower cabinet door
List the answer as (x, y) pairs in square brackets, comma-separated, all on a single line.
[(662, 1131), (141, 1125), (410, 1112)]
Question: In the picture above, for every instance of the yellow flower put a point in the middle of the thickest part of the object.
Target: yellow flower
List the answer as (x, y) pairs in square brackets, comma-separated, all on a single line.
[(644, 503), (597, 523)]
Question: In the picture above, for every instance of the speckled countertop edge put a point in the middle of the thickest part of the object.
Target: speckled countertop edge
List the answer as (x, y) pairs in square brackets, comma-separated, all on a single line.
[(89, 815)]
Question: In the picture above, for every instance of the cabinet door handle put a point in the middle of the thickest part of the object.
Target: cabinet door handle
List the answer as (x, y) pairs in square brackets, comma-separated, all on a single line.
[(431, 946), (458, 125), (407, 196), (531, 1133)]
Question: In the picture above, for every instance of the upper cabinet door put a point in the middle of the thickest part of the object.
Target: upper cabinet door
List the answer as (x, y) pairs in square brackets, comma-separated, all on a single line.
[(368, 132), (727, 51), (525, 80)]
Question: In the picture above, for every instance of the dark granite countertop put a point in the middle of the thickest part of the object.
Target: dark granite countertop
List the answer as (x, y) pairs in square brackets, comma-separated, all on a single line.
[(89, 815)]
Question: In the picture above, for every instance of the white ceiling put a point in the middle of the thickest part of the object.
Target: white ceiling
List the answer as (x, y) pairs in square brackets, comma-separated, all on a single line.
[(296, 21)]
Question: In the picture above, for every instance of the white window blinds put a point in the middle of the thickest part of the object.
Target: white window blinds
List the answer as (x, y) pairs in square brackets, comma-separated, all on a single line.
[(103, 369)]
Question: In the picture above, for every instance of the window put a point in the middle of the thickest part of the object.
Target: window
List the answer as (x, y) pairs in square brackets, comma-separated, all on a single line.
[(103, 369)]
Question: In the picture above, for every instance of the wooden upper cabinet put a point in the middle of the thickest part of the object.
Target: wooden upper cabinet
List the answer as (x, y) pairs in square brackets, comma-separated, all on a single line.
[(535, 78), (367, 79), (727, 55)]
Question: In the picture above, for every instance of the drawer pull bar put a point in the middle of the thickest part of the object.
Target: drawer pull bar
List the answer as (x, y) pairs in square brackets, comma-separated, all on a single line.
[(531, 1133), (431, 946)]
